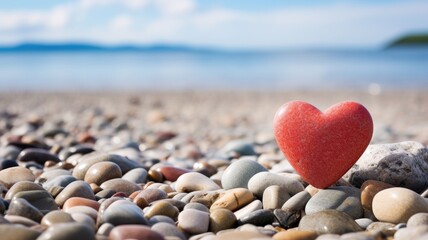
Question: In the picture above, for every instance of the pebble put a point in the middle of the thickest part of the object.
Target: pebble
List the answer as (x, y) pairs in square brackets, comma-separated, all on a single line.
[(120, 185), (101, 172), (171, 173), (162, 208), (21, 187), (10, 176), (136, 175), (329, 221), (15, 219), (287, 218), (197, 206), (17, 232), (75, 189), (233, 199), (247, 209), (379, 227), (418, 219), (67, 231), (193, 181), (221, 219), (55, 217), (357, 236), (345, 199), (132, 231), (411, 233), (397, 205), (364, 222), (369, 189), (262, 180), (296, 235), (240, 235), (21, 207), (239, 173), (274, 197), (59, 181), (37, 155), (297, 202), (260, 217), (168, 230), (123, 212), (83, 209), (193, 221), (159, 218), (242, 147), (40, 199), (79, 201), (400, 164), (153, 194)]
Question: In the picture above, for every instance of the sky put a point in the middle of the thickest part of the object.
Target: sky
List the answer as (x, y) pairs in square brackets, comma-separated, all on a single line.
[(229, 24)]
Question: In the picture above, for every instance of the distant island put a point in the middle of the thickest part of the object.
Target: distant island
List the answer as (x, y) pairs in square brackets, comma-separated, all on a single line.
[(412, 40)]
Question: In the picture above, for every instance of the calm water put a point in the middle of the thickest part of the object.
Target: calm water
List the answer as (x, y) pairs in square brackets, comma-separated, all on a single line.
[(163, 70)]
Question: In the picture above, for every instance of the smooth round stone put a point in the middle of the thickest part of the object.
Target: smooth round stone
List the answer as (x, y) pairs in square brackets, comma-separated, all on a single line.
[(59, 181), (78, 201), (160, 218), (233, 199), (162, 208), (358, 236), (21, 187), (17, 232), (101, 172), (132, 231), (85, 219), (67, 231), (152, 194), (364, 222), (123, 212), (172, 173), (168, 230), (329, 221), (205, 198), (369, 189), (136, 175), (242, 147), (328, 237), (240, 235), (239, 173), (249, 208), (10, 176), (197, 206), (162, 186), (15, 219), (75, 189), (221, 219), (194, 181), (49, 174), (260, 217), (193, 221), (297, 202), (295, 235), (40, 199), (344, 199), (121, 185), (105, 229), (56, 217), (274, 197), (411, 233), (260, 181), (287, 218), (397, 205), (21, 207), (83, 209), (417, 220), (37, 155)]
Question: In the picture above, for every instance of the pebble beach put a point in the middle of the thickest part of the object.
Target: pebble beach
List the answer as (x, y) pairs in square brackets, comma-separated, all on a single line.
[(201, 165)]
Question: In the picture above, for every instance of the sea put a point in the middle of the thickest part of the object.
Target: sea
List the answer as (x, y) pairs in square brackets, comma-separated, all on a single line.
[(218, 70)]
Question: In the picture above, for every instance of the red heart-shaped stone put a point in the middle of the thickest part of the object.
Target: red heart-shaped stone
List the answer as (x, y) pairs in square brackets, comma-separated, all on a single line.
[(322, 147)]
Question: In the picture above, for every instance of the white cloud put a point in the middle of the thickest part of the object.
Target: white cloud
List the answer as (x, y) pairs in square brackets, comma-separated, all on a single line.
[(130, 4), (175, 7), (121, 22)]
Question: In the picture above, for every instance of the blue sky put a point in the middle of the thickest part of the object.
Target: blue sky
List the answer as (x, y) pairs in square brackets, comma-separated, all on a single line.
[(242, 24)]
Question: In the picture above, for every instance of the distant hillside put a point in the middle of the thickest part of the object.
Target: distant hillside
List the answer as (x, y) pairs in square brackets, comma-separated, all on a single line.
[(414, 40)]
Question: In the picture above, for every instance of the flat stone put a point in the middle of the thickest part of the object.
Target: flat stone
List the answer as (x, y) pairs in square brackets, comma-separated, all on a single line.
[(67, 231), (403, 164), (247, 209), (194, 181), (162, 208), (369, 189), (102, 171), (193, 221), (92, 213), (59, 181), (37, 155), (21, 187), (123, 212), (40, 199), (15, 219), (397, 205), (233, 199), (418, 219), (56, 217), (329, 221), (260, 217), (239, 173), (50, 174), (379, 227), (160, 218), (75, 189), (168, 230), (79, 201), (136, 175), (10, 176), (297, 202), (17, 232), (132, 231), (295, 235), (121, 185), (345, 199), (274, 197), (262, 180), (221, 219), (21, 207), (287, 218)]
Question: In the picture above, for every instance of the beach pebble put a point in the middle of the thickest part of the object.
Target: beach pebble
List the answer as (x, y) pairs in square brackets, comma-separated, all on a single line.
[(67, 231), (59, 181), (287, 218), (17, 232), (152, 194), (397, 205), (328, 236), (194, 181), (197, 206), (101, 172), (193, 221), (369, 189), (411, 233), (379, 227), (105, 229), (233, 199), (296, 235), (239, 173), (123, 212), (136, 175), (249, 208), (120, 185), (240, 235), (171, 173), (418, 219), (75, 189), (162, 208), (345, 199), (242, 147), (159, 218), (221, 219), (21, 207), (329, 221), (364, 222), (262, 180), (40, 199), (274, 197), (55, 217), (297, 202), (21, 187), (358, 236), (132, 231), (259, 217), (79, 201), (13, 175), (92, 213), (168, 230), (402, 164), (37, 155)]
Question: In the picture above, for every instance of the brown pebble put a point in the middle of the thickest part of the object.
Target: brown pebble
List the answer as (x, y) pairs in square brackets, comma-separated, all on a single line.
[(369, 189), (78, 201), (221, 219), (155, 175), (135, 232), (101, 172), (295, 235), (10, 176), (233, 199)]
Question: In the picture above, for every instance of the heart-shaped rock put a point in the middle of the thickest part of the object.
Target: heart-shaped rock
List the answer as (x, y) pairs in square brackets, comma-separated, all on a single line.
[(322, 146)]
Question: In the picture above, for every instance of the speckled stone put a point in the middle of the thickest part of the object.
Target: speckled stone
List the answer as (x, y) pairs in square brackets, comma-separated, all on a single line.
[(120, 185), (397, 205), (162, 208), (260, 217), (21, 187), (132, 231), (67, 231), (101, 172), (17, 232), (75, 189), (295, 235), (369, 189), (168, 230), (239, 173), (40, 199), (56, 217), (10, 176), (297, 202), (136, 175), (221, 219), (233, 199), (193, 221), (21, 207), (329, 221), (402, 164), (123, 212), (345, 199), (194, 181), (260, 181), (274, 197), (418, 219)]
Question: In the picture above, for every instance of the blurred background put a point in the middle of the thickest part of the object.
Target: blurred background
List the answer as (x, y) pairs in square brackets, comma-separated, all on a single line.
[(189, 44)]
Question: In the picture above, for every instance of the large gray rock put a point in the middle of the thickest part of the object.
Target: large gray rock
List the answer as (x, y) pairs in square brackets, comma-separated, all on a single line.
[(403, 164)]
